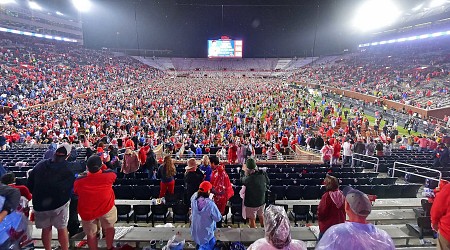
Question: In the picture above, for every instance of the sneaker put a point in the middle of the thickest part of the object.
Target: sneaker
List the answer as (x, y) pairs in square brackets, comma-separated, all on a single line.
[(82, 244)]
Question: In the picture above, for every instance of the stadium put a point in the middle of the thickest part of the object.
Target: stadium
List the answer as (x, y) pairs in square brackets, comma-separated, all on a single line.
[(180, 124)]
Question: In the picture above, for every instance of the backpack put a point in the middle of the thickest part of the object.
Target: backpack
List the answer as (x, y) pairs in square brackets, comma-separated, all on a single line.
[(130, 162)]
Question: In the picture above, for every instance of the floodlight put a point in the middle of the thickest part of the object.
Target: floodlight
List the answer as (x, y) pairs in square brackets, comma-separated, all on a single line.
[(7, 1), (437, 3), (82, 5), (59, 13), (375, 14), (33, 5)]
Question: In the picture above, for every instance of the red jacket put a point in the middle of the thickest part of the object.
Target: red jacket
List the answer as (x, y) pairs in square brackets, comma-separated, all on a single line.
[(440, 211), (143, 154), (95, 194), (223, 190), (331, 210)]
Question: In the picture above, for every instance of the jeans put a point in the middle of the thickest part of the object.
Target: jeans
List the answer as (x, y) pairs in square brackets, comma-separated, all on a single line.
[(347, 159)]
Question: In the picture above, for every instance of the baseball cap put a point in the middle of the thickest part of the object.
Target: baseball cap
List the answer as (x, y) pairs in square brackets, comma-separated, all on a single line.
[(250, 163), (359, 202), (205, 186), (94, 163), (63, 149)]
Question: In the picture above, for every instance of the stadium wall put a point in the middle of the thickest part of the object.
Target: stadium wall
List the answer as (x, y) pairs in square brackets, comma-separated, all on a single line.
[(439, 113)]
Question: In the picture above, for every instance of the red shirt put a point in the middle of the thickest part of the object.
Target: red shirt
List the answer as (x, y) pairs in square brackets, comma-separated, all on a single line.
[(95, 194), (440, 211)]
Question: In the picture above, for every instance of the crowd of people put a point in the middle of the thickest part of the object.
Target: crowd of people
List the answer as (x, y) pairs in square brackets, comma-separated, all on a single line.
[(414, 73), (119, 110)]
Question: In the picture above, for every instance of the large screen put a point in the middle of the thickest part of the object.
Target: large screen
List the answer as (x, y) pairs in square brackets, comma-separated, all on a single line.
[(224, 48)]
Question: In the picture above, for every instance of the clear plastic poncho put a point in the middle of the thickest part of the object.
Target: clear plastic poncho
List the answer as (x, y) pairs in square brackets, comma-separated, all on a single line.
[(14, 231), (277, 231), (355, 236)]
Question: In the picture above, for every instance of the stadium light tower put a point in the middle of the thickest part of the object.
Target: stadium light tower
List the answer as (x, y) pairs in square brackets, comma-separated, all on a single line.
[(375, 14), (82, 5), (34, 6)]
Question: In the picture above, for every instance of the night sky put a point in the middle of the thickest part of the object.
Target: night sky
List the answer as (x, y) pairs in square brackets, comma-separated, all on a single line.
[(271, 28)]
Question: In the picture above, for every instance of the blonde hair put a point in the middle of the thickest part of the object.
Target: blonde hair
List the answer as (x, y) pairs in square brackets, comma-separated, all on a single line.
[(170, 167), (205, 161), (191, 162)]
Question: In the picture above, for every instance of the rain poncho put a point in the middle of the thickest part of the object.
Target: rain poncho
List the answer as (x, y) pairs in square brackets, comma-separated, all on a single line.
[(223, 190), (204, 217), (278, 232), (355, 236)]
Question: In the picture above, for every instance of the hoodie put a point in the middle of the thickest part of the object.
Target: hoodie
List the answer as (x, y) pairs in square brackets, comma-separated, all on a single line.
[(331, 210), (205, 214)]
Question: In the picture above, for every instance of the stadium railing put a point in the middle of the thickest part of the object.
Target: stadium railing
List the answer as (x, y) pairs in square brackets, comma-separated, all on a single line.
[(358, 157), (413, 173)]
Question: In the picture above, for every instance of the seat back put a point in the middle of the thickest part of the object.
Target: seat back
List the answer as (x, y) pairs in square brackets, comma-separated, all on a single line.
[(301, 209), (141, 192), (159, 209), (424, 222)]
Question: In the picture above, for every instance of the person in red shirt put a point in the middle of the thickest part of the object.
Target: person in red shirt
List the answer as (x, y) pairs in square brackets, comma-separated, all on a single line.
[(143, 150), (336, 152), (440, 217), (96, 201), (222, 188)]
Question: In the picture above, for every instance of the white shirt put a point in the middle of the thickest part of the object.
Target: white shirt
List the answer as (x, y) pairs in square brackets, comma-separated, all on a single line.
[(347, 147)]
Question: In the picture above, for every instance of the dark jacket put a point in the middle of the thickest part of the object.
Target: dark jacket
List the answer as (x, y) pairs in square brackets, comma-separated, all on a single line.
[(359, 147), (51, 184), (255, 188), (151, 163), (192, 181), (12, 197), (319, 142), (161, 174)]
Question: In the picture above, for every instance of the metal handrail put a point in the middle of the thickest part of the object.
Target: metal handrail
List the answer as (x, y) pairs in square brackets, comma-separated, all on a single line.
[(423, 176), (375, 165), (257, 157)]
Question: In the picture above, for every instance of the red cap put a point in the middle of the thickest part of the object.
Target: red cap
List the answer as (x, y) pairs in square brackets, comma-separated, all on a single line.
[(129, 144), (205, 186)]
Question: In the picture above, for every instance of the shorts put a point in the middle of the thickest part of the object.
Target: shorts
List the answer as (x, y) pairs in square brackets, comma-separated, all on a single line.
[(57, 218), (90, 227), (252, 212)]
